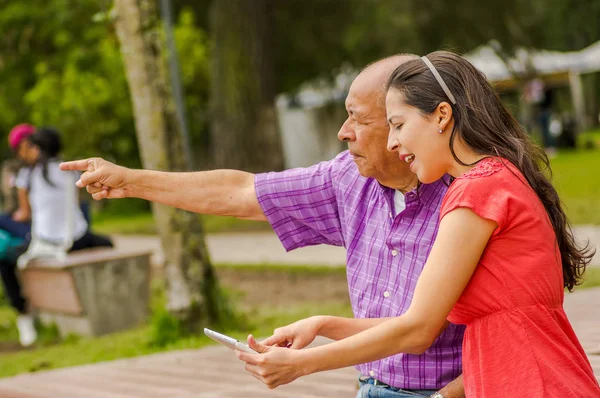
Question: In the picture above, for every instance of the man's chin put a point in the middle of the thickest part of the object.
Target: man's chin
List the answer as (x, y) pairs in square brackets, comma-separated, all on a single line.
[(359, 161), (363, 167)]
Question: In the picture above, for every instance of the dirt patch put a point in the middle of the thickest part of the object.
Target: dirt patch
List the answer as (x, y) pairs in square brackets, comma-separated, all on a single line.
[(255, 288), (10, 346)]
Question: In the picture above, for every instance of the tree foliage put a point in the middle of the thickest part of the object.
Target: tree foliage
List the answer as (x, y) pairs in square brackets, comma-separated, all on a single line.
[(60, 65)]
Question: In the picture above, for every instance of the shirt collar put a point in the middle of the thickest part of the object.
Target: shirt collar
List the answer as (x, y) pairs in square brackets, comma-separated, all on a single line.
[(432, 195), (429, 195)]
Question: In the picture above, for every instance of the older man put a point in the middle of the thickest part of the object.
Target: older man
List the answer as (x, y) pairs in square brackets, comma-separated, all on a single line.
[(365, 199)]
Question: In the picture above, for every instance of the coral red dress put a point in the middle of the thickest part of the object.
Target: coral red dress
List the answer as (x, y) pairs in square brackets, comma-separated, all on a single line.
[(518, 341)]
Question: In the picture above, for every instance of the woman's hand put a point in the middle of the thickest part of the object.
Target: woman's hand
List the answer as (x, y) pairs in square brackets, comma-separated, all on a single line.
[(274, 366), (296, 335)]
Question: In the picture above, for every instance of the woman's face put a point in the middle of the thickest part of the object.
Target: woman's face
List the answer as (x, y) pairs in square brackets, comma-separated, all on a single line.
[(28, 152), (416, 138)]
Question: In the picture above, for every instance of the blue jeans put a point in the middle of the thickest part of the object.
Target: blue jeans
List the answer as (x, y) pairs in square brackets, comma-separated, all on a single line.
[(15, 228), (368, 389)]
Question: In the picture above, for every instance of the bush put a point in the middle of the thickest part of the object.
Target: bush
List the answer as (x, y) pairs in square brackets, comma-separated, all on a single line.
[(164, 327)]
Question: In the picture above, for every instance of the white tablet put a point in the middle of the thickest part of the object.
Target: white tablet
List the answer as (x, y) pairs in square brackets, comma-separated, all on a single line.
[(227, 341)]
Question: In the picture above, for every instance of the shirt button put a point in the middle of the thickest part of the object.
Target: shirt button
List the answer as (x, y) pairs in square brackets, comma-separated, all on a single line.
[(391, 215), (386, 294), (394, 253), (372, 373)]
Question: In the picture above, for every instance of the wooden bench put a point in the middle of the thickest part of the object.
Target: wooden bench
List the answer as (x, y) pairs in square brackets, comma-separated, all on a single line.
[(92, 292)]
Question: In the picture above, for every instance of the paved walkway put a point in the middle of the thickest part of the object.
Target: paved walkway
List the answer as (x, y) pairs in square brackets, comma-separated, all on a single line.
[(244, 248), (215, 372), (207, 373), (264, 247)]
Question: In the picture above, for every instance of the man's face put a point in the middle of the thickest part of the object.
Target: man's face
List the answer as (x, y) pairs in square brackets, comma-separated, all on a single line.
[(366, 133)]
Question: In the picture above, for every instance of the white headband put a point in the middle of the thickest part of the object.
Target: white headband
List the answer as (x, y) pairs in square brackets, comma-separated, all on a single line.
[(439, 79)]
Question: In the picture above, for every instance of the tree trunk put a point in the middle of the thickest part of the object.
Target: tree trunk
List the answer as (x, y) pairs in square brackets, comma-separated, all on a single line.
[(244, 131), (192, 289)]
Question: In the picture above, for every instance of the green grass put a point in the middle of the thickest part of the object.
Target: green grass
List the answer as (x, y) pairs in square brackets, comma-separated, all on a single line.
[(576, 176), (591, 278), (589, 138), (143, 224), (7, 322), (77, 352), (294, 269), (80, 351), (136, 224), (217, 224)]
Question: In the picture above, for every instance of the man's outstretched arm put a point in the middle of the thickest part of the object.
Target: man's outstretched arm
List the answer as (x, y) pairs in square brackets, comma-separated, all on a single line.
[(217, 192)]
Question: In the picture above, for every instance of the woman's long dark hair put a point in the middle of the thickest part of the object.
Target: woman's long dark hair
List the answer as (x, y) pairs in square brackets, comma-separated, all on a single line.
[(48, 141), (483, 123)]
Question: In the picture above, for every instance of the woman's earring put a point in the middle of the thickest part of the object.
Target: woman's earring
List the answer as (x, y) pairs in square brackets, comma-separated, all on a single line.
[(440, 131)]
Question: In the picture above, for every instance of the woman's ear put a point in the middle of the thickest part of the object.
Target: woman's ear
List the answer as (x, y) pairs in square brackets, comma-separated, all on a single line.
[(443, 114)]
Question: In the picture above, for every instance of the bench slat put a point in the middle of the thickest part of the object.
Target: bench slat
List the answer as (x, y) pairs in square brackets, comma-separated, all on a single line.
[(88, 256)]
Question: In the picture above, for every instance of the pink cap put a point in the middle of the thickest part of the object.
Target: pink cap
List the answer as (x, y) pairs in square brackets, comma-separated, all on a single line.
[(19, 133)]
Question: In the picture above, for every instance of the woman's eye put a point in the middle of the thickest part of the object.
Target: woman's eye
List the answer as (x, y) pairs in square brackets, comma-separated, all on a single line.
[(398, 127)]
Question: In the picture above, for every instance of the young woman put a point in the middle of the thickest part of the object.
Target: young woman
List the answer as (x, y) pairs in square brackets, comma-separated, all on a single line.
[(51, 220), (503, 255)]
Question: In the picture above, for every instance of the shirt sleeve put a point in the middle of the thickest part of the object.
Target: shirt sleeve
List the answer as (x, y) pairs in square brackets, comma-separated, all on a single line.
[(488, 196), (301, 205), (22, 179)]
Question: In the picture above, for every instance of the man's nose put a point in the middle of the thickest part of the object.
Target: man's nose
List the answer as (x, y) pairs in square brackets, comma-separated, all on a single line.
[(346, 133)]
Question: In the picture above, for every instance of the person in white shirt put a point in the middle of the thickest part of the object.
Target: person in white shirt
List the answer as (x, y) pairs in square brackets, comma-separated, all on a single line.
[(56, 220)]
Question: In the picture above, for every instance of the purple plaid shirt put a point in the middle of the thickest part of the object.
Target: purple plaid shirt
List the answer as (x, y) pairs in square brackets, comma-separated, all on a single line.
[(331, 203)]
